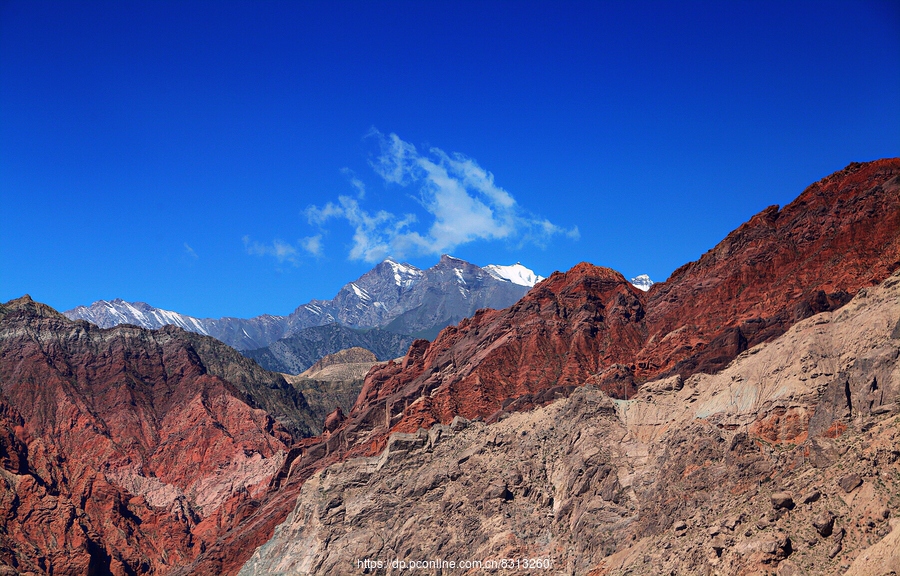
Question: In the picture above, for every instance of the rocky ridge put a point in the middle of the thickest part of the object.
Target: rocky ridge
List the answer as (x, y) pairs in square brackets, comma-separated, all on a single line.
[(295, 354), (590, 326), (333, 383), (123, 451), (787, 460)]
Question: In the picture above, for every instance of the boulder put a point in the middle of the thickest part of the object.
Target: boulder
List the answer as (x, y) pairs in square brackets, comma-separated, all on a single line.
[(782, 501)]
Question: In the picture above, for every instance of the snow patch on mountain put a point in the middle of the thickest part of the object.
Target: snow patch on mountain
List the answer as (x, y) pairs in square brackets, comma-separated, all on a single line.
[(642, 282), (111, 313), (360, 293), (517, 274), (404, 274)]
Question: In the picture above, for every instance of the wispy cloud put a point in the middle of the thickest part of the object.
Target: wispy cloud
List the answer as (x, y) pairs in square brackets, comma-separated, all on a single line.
[(463, 203), (283, 251), (190, 251), (278, 249), (356, 183)]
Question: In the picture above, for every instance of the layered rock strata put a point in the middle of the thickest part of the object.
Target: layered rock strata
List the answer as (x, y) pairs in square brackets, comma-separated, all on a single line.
[(590, 326), (739, 472), (124, 451), (334, 381)]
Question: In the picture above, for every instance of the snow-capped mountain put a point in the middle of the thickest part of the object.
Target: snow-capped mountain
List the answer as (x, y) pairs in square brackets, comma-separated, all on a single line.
[(392, 295), (517, 274), (111, 313), (642, 282)]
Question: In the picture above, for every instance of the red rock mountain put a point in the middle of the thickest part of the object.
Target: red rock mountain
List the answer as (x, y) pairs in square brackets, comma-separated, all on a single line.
[(590, 325), (129, 451), (122, 451)]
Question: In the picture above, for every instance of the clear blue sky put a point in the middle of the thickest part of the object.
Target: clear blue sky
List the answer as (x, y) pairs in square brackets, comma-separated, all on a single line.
[(236, 158)]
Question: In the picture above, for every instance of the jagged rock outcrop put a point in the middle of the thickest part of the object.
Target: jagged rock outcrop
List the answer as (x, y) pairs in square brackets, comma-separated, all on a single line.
[(590, 326), (691, 477), (122, 451), (840, 235)]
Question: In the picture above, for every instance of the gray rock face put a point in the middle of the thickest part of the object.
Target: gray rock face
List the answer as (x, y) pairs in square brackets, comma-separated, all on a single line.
[(669, 481), (824, 523), (334, 382), (782, 500), (850, 482)]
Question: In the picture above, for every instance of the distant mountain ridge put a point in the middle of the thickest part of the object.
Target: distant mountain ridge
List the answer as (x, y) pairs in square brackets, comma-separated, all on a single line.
[(391, 304), (393, 295), (295, 353)]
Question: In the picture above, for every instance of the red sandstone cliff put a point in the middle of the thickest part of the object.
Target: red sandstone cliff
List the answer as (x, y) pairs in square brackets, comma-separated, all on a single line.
[(841, 234), (120, 453), (588, 324)]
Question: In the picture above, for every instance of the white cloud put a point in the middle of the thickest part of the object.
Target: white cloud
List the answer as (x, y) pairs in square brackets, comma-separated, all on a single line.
[(355, 182), (464, 203), (397, 159), (312, 244), (280, 250)]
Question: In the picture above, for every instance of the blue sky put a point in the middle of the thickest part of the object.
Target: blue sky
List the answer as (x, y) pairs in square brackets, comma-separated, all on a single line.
[(239, 158)]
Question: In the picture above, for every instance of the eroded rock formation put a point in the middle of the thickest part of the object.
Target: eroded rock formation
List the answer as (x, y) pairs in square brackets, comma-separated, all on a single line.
[(713, 474), (589, 326), (131, 451), (122, 451)]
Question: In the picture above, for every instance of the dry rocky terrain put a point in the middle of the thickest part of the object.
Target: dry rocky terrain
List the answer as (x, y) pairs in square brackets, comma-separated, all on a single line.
[(739, 418), (589, 326), (785, 462)]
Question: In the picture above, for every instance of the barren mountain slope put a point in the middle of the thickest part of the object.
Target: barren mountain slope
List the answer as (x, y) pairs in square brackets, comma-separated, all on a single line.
[(590, 326), (787, 460), (334, 381), (123, 450)]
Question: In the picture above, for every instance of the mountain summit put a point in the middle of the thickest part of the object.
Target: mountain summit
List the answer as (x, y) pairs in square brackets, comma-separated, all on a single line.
[(517, 274), (642, 282)]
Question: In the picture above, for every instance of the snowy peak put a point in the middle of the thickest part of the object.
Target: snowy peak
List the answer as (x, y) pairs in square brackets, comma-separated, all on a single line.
[(642, 282), (107, 314), (516, 273), (404, 274)]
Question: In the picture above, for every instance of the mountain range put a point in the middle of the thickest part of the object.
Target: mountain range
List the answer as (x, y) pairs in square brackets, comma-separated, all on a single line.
[(739, 417), (398, 297)]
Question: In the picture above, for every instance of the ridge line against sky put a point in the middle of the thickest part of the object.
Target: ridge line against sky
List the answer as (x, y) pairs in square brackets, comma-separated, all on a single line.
[(240, 158)]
